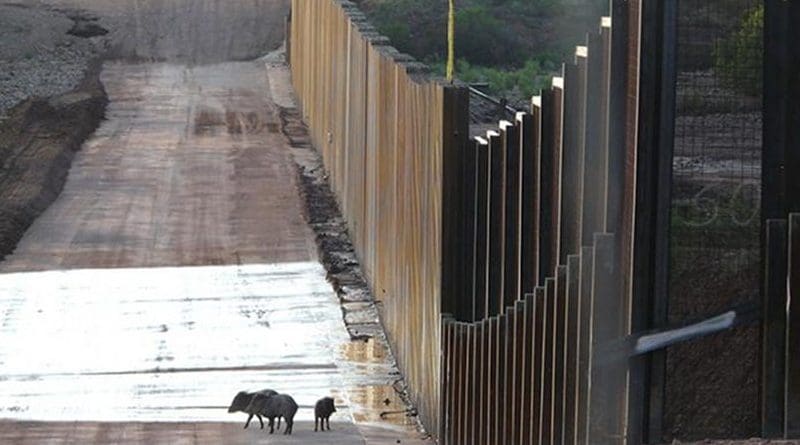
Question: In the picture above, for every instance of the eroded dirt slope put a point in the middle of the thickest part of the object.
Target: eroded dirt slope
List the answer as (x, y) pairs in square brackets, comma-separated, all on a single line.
[(37, 144)]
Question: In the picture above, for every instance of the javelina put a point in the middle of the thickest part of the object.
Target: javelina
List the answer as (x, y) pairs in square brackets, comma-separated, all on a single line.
[(279, 405), (322, 412), (242, 403)]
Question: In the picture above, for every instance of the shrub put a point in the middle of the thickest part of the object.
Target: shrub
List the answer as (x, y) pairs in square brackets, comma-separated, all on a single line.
[(526, 81), (483, 39), (738, 58)]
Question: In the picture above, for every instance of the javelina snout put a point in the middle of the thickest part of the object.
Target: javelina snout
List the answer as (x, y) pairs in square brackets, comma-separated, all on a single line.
[(272, 406), (240, 402), (322, 412)]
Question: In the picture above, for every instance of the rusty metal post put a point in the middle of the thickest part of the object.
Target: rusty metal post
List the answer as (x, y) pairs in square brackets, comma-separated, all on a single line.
[(773, 330), (571, 346), (585, 349), (558, 332), (519, 387), (447, 381), (606, 380), (496, 221), (572, 158), (529, 201), (548, 363), (481, 273), (792, 420), (491, 387), (537, 362), (509, 134), (468, 383)]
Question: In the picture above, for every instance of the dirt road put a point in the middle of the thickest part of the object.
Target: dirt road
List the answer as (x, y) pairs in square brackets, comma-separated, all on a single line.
[(190, 168)]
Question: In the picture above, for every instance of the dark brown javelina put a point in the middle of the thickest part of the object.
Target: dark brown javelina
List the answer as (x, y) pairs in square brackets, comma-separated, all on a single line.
[(322, 412), (242, 402), (279, 405)]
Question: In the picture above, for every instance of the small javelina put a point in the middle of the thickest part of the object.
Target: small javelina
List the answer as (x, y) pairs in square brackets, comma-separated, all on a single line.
[(322, 412), (242, 403), (279, 405)]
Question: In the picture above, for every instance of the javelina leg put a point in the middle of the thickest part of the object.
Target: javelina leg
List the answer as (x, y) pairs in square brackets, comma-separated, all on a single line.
[(289, 424), (279, 422), (328, 421), (271, 425), (316, 420), (260, 420), (248, 421)]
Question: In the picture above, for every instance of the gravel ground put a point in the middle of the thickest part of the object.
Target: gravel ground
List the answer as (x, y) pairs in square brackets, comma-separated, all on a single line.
[(37, 55), (46, 45)]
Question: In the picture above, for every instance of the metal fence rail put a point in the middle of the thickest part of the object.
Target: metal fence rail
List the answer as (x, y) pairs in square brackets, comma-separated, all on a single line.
[(780, 402)]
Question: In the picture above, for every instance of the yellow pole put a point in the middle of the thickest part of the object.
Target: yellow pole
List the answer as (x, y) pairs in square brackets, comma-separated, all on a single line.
[(451, 41)]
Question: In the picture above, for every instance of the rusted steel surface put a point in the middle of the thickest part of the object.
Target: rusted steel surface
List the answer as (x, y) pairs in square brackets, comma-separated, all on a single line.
[(792, 414), (584, 345), (496, 237), (559, 353), (509, 136), (529, 201), (539, 192), (383, 128), (481, 238), (556, 153), (572, 158), (571, 346), (518, 389)]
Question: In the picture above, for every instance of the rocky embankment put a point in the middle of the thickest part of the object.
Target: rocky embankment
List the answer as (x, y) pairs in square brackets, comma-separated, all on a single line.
[(44, 51), (51, 100)]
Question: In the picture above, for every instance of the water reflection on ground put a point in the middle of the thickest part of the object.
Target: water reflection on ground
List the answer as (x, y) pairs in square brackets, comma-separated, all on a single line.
[(374, 386), (175, 344)]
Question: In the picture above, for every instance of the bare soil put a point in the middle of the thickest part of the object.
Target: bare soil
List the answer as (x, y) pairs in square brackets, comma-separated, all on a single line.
[(37, 144), (712, 382)]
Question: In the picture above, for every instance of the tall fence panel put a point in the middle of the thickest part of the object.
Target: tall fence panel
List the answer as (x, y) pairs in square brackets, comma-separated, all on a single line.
[(504, 264), (384, 129), (591, 171), (550, 293)]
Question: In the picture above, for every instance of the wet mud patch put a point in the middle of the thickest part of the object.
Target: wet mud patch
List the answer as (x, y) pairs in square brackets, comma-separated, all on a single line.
[(85, 25), (336, 251), (206, 120), (37, 144)]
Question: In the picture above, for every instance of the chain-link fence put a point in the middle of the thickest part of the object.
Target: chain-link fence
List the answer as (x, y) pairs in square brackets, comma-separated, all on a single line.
[(712, 384)]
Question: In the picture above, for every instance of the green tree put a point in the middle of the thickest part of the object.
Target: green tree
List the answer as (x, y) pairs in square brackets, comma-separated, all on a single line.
[(738, 58)]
